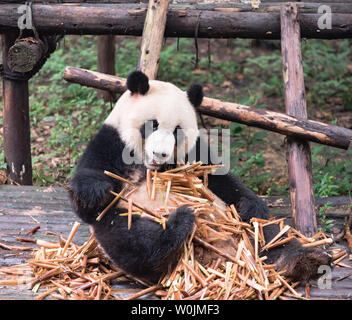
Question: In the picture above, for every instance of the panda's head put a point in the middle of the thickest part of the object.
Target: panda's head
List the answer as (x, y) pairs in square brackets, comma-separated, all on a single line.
[(156, 120)]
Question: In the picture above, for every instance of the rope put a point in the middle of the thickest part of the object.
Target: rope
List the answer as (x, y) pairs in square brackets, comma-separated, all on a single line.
[(196, 39)]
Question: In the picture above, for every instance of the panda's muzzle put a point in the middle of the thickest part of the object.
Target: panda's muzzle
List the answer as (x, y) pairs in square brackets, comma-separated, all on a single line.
[(155, 162), (159, 155), (159, 147)]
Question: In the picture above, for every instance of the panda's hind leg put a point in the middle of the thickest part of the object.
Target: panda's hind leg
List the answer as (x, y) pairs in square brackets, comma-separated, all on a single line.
[(145, 250), (299, 263)]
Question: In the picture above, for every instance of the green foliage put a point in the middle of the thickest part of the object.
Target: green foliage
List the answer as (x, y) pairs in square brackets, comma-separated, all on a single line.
[(3, 164), (126, 57), (327, 223), (245, 162), (247, 170), (177, 63), (324, 66), (326, 75), (325, 188), (269, 68), (331, 176)]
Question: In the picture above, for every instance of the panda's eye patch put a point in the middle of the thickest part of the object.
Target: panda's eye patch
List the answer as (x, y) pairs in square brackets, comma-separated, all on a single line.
[(148, 127), (155, 125)]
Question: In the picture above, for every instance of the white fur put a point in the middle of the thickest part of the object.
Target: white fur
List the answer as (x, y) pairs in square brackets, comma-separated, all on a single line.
[(164, 102)]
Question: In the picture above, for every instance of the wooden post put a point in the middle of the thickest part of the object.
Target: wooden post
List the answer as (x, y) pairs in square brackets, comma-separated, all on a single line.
[(298, 152), (16, 122), (106, 61), (153, 37)]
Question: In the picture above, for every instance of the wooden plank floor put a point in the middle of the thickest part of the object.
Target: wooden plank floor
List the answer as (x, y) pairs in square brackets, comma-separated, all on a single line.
[(23, 208)]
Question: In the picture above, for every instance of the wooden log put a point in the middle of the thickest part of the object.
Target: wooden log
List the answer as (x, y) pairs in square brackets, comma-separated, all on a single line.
[(153, 37), (16, 122), (24, 55), (129, 20), (216, 2), (269, 120), (298, 152), (106, 61), (337, 6), (76, 1), (95, 79), (314, 131)]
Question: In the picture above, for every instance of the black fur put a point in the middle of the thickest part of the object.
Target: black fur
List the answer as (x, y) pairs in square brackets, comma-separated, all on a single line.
[(195, 94), (138, 82), (146, 250)]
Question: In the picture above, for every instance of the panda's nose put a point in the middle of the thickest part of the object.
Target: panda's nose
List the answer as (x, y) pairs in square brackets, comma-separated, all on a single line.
[(159, 154)]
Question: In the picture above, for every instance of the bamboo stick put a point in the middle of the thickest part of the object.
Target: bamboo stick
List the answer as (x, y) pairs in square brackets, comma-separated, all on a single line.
[(318, 243), (70, 237), (129, 221), (111, 204), (117, 177), (143, 292), (280, 234)]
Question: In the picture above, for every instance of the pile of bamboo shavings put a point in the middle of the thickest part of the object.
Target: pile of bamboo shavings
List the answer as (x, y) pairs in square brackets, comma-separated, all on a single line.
[(242, 275), (63, 270)]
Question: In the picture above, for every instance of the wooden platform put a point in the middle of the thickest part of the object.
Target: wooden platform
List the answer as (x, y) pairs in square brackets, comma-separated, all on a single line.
[(22, 208)]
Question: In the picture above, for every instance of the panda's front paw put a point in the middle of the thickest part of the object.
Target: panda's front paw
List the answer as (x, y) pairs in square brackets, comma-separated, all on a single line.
[(99, 193), (92, 195), (182, 219)]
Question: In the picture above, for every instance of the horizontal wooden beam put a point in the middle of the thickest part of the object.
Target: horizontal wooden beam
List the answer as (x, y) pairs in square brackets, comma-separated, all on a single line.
[(269, 120), (207, 4), (74, 1), (214, 22)]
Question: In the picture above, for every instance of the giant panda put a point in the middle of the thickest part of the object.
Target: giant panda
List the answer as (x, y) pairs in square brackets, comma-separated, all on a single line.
[(146, 250)]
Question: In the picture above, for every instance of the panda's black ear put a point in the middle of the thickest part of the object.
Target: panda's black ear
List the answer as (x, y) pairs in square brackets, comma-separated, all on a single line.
[(138, 82), (195, 94)]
